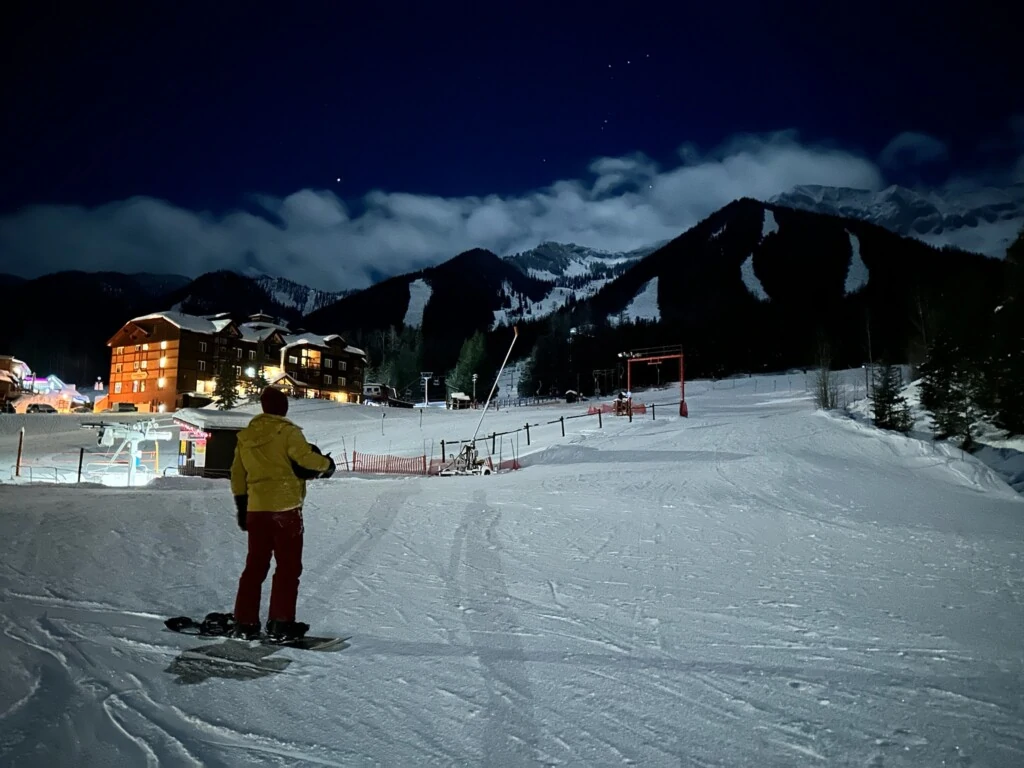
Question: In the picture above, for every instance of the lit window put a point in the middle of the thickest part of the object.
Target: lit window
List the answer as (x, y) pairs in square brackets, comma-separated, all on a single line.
[(135, 365), (200, 386), (117, 367), (161, 382), (117, 387), (163, 362), (138, 347), (145, 364), (135, 386), (163, 345), (142, 386), (145, 347)]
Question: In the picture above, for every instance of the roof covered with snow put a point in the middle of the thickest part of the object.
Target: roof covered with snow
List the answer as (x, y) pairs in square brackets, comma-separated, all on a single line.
[(210, 419), (193, 323), (256, 332), (312, 339)]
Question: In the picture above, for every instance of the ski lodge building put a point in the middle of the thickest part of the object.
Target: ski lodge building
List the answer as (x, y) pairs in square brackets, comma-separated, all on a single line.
[(170, 360)]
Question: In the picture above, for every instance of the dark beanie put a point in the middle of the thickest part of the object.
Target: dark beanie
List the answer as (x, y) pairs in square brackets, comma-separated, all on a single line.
[(274, 402)]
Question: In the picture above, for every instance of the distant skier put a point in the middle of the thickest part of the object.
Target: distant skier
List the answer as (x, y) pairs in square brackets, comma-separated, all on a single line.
[(268, 498)]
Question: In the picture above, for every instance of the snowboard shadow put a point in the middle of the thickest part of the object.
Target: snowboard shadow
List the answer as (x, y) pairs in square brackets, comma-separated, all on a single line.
[(226, 661), (229, 660)]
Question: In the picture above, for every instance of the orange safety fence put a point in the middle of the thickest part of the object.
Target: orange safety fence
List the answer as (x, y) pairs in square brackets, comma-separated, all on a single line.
[(385, 463)]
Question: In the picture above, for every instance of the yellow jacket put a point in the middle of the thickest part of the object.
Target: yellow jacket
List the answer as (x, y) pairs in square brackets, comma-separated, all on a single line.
[(262, 468)]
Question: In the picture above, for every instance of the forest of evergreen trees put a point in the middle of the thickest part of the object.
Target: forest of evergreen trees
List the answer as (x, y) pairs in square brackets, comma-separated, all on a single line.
[(974, 368)]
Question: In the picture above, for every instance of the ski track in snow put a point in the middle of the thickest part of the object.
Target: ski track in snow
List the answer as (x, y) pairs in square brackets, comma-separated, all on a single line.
[(759, 583)]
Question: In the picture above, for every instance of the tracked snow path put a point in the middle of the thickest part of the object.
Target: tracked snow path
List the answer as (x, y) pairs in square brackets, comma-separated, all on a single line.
[(756, 585)]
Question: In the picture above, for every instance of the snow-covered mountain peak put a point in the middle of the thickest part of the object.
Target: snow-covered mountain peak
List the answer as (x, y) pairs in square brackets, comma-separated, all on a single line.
[(981, 219)]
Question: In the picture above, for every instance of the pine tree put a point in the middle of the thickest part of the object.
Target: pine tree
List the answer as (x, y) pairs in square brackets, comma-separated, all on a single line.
[(891, 410), (1005, 377), (472, 359), (951, 387), (226, 389)]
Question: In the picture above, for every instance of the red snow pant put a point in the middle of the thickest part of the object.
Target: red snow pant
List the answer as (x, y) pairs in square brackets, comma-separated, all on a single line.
[(278, 534)]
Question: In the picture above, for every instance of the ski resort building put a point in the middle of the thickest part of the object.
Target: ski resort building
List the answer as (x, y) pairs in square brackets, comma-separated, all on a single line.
[(170, 360)]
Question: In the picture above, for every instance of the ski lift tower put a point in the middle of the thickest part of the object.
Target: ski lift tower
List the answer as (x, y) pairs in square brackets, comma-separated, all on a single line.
[(426, 376), (130, 435), (655, 356)]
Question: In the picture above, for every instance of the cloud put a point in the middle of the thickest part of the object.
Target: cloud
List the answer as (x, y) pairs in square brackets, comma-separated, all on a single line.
[(911, 149), (313, 237)]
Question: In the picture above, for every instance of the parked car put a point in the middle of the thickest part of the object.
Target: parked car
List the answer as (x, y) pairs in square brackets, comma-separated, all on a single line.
[(40, 408)]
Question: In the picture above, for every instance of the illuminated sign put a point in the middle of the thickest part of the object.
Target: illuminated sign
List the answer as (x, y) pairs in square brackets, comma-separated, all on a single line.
[(189, 432)]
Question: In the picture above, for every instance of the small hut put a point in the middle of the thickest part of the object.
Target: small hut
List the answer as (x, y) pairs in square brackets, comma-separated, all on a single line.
[(206, 446)]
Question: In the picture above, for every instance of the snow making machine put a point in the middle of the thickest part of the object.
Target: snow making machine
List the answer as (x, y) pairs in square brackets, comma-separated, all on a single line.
[(468, 460)]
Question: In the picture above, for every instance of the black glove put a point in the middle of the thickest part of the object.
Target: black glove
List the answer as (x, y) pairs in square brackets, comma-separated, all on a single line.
[(242, 510), (330, 470)]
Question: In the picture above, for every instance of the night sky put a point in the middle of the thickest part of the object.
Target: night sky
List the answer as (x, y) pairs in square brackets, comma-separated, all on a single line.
[(204, 111)]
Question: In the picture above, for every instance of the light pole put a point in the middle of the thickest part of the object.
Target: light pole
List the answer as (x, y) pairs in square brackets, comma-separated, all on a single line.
[(474, 389)]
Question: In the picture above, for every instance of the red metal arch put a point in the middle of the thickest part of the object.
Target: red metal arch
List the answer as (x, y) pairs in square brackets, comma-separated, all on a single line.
[(652, 355)]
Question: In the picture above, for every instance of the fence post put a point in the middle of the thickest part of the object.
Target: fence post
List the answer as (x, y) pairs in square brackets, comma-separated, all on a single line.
[(653, 406), (562, 419), (629, 410), (444, 455), (599, 424), (81, 458), (354, 459), (494, 437), (527, 434), (21, 445)]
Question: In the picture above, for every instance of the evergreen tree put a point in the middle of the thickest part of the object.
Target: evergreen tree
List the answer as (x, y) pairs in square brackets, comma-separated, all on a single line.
[(1005, 377), (951, 386), (472, 359), (891, 410), (226, 389)]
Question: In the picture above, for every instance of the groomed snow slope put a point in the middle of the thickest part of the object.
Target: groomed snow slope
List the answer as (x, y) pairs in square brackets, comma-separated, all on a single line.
[(759, 584)]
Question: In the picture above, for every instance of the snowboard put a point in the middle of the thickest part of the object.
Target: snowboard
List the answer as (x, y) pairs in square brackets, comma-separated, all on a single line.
[(221, 625)]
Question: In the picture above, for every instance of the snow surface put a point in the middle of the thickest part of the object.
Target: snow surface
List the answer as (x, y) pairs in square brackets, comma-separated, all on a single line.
[(857, 272), (769, 226), (759, 584), (751, 281), (542, 274), (553, 301), (419, 295), (644, 305)]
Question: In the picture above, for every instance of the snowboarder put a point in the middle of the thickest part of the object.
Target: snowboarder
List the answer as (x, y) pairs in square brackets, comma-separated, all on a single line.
[(268, 498)]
